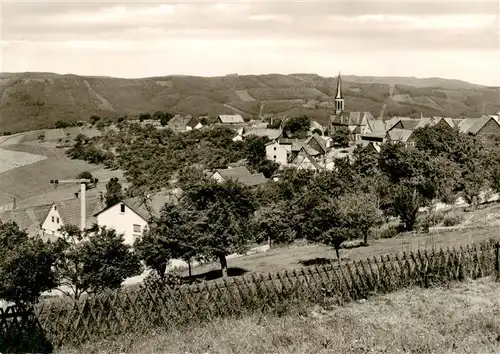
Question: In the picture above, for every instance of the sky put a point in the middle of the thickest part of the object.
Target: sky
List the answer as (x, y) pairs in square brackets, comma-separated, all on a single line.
[(457, 40)]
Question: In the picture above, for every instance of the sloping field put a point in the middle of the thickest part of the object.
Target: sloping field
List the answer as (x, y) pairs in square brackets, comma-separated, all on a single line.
[(14, 159), (30, 184)]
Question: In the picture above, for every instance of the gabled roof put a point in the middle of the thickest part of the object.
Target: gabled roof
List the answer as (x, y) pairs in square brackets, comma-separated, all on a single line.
[(401, 135), (145, 209), (304, 156), (377, 126), (242, 175), (230, 118), (272, 134), (480, 123), (321, 142), (466, 124), (375, 135), (28, 219), (70, 210), (351, 118), (179, 122), (193, 122)]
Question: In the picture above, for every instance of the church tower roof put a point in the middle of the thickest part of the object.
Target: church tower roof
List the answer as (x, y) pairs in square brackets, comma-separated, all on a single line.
[(339, 88)]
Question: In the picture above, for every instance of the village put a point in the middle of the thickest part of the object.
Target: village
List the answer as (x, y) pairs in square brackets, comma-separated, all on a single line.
[(317, 151)]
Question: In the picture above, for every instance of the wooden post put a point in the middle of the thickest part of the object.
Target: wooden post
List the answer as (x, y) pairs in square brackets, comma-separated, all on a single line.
[(497, 261), (83, 212)]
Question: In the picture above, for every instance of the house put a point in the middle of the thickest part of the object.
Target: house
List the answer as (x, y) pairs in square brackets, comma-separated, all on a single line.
[(68, 212), (240, 174), (277, 153), (28, 219), (397, 135), (487, 128), (370, 146), (304, 160), (131, 217), (181, 123), (230, 119)]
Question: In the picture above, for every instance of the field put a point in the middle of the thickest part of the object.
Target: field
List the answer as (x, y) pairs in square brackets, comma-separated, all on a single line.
[(460, 318), (30, 183), (298, 255), (10, 160), (31, 101)]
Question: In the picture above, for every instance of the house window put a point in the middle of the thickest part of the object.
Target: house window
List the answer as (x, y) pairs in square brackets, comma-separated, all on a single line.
[(52, 219), (58, 220), (274, 157), (122, 208), (275, 148), (137, 229), (55, 207)]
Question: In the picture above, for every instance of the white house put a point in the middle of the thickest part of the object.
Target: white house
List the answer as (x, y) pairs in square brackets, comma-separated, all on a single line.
[(277, 153), (230, 119), (131, 217), (67, 212)]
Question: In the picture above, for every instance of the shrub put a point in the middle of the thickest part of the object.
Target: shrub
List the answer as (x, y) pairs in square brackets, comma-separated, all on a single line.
[(452, 219), (429, 219), (388, 231), (153, 281)]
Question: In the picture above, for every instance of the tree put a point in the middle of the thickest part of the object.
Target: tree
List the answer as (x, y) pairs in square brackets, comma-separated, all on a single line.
[(341, 137), (406, 203), (144, 116), (25, 266), (297, 126), (360, 214), (114, 192), (172, 235), (93, 262), (274, 223), (41, 138), (222, 212)]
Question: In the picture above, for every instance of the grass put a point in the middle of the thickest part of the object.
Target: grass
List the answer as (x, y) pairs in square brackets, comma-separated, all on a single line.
[(459, 318), (290, 257), (30, 184)]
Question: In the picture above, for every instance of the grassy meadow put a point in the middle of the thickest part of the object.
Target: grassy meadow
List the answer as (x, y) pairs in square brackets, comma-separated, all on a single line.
[(457, 318)]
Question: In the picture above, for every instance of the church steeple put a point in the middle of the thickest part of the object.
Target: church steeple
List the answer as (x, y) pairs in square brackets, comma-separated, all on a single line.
[(339, 98)]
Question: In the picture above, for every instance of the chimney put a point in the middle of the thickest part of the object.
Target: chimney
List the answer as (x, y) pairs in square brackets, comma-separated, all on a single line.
[(14, 204)]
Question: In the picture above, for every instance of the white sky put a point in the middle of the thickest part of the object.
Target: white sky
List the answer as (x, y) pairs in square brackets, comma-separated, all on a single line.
[(447, 39)]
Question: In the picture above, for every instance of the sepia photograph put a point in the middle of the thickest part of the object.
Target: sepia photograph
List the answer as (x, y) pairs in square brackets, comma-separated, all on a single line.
[(279, 176)]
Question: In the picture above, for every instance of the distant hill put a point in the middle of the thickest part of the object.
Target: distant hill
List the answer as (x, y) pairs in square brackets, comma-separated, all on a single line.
[(30, 101)]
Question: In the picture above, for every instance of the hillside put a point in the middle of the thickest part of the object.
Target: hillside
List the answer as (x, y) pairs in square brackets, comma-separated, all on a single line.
[(30, 101)]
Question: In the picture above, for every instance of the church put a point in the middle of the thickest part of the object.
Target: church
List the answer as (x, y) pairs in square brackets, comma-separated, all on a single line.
[(355, 124)]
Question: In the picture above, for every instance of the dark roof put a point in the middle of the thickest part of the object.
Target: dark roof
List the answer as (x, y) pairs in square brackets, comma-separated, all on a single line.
[(69, 210), (193, 122), (28, 219), (350, 118), (321, 142)]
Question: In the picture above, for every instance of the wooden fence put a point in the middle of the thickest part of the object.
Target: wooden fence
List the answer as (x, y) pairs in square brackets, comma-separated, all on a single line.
[(134, 311)]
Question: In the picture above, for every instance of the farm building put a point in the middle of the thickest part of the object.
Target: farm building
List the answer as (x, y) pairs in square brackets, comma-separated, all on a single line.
[(28, 219), (230, 119)]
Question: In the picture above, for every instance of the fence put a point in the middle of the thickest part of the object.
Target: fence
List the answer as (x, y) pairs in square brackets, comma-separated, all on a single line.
[(134, 311)]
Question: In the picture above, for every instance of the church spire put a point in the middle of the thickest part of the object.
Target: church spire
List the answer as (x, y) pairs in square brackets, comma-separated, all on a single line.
[(339, 88), (339, 98)]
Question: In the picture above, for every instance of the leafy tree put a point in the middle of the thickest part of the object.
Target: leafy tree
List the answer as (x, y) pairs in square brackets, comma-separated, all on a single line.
[(85, 175), (360, 214), (365, 161), (406, 203), (297, 126), (341, 137), (94, 261), (41, 138), (114, 192), (25, 266), (223, 212), (172, 235), (273, 223), (60, 124)]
